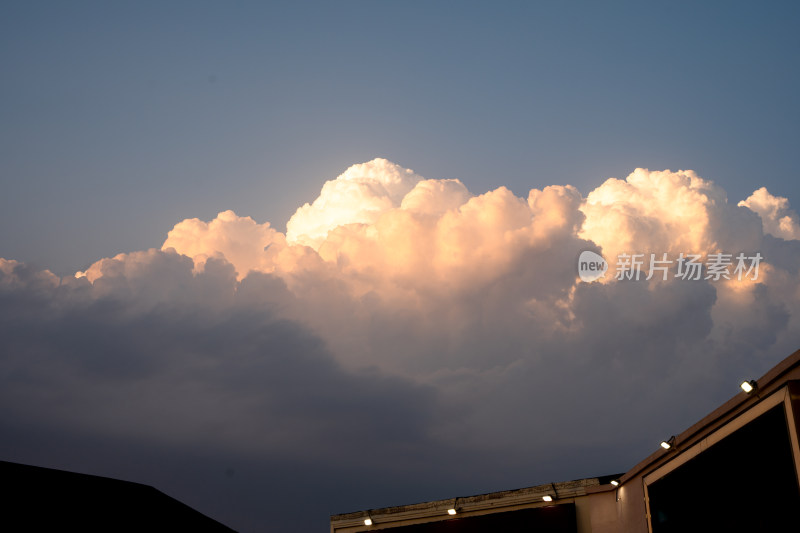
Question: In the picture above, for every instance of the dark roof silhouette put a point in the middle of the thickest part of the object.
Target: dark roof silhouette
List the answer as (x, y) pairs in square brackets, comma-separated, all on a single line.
[(44, 499)]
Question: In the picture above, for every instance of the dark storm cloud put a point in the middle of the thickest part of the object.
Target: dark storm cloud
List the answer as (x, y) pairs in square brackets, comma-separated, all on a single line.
[(230, 380)]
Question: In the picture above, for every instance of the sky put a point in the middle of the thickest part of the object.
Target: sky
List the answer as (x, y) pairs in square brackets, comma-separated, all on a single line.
[(287, 260)]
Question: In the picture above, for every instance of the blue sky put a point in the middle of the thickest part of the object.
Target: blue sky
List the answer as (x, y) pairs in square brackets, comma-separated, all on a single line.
[(420, 344), (121, 119)]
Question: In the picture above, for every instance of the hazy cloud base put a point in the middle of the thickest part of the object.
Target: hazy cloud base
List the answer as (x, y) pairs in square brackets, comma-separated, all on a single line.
[(404, 340)]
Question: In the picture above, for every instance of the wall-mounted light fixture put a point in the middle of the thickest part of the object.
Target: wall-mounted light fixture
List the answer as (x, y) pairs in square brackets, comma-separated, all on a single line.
[(615, 482), (453, 509), (749, 386), (368, 521), (669, 443), (547, 498)]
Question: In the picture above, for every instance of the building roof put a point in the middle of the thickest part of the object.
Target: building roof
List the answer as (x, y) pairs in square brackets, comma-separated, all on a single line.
[(45, 499), (502, 501)]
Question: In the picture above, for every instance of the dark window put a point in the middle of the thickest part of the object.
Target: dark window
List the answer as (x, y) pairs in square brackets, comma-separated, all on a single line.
[(745, 482)]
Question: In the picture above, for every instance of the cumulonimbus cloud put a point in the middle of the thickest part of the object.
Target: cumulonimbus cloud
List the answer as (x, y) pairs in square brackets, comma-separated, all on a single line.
[(386, 246), (444, 309)]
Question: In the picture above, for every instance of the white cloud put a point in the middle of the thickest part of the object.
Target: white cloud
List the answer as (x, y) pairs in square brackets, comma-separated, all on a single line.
[(396, 254), (358, 196), (240, 240), (778, 219), (435, 197), (653, 211)]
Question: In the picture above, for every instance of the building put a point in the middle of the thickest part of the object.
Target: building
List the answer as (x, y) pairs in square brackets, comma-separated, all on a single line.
[(736, 469), (45, 499)]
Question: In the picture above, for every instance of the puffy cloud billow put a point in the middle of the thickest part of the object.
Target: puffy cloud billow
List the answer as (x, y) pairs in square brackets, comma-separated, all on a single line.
[(401, 329)]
